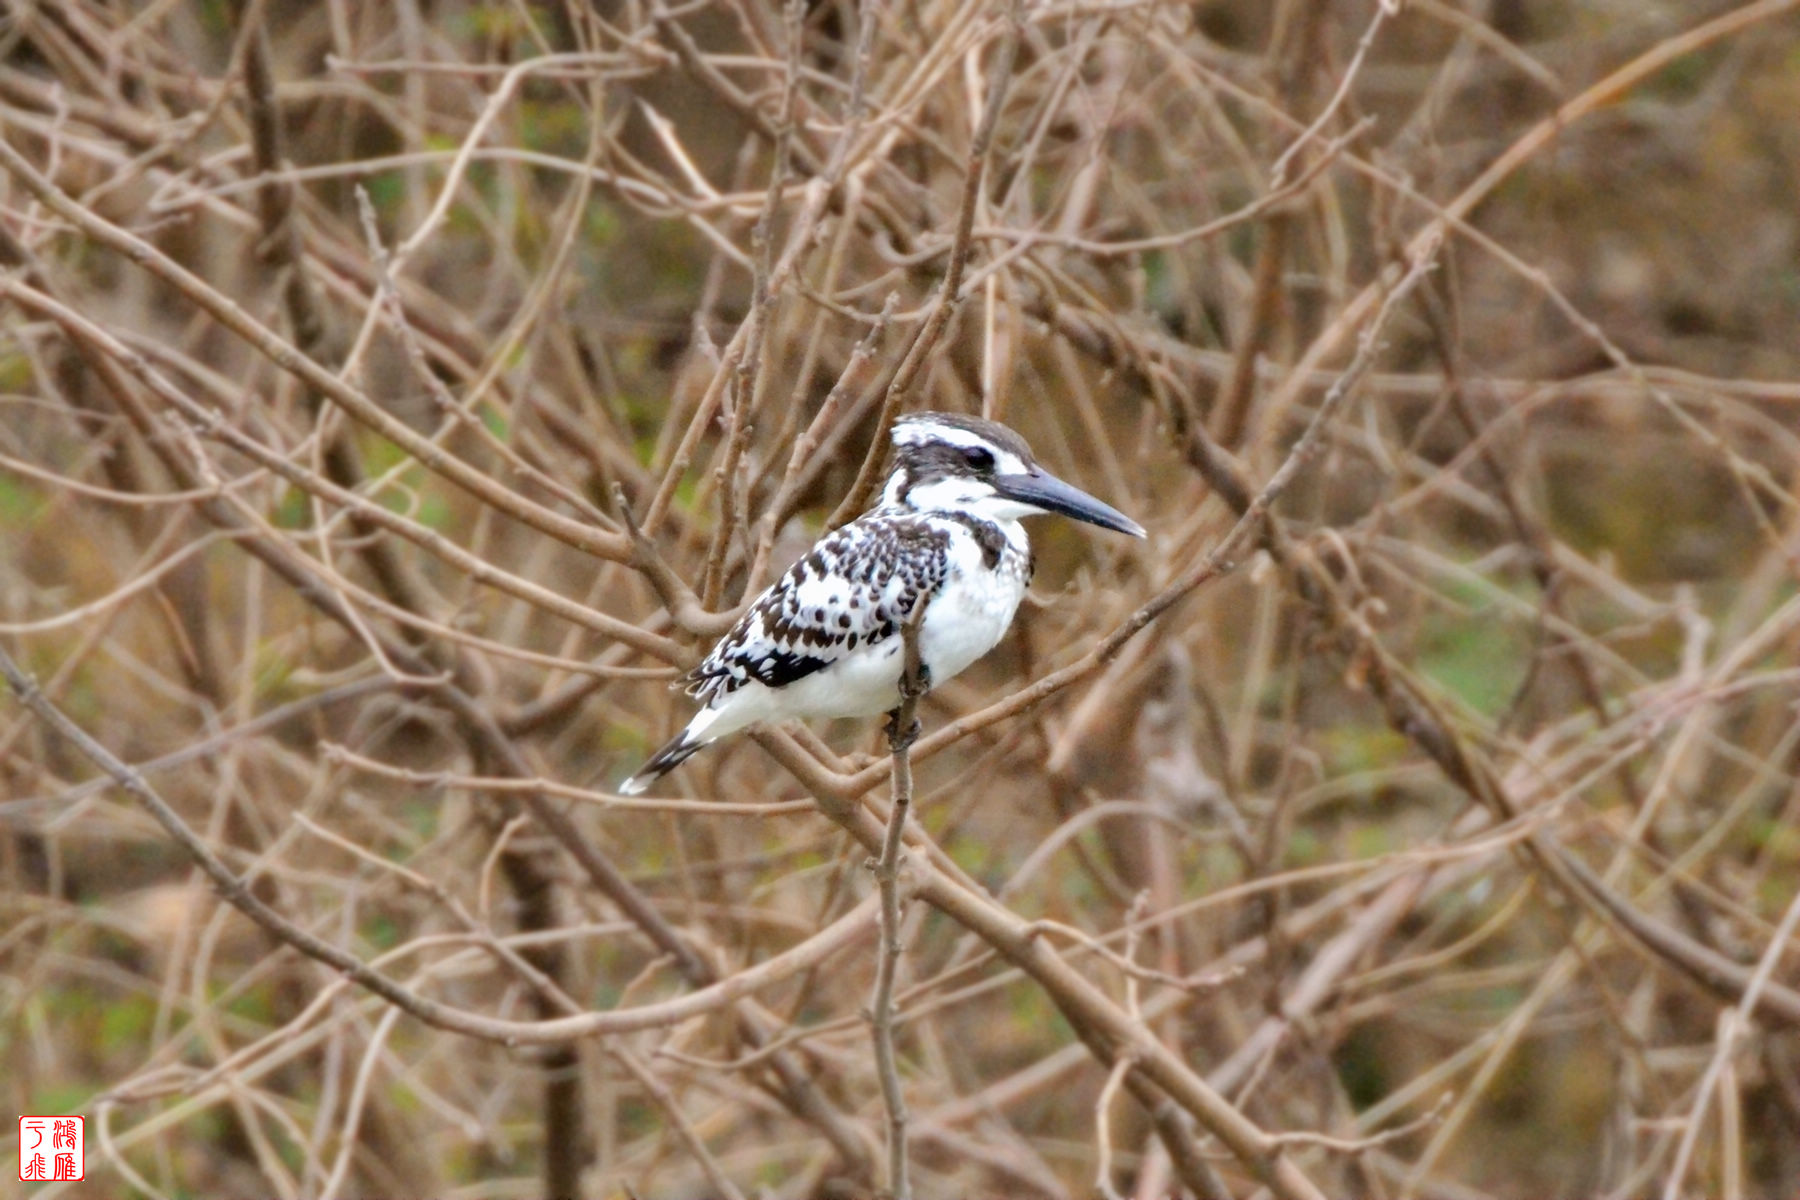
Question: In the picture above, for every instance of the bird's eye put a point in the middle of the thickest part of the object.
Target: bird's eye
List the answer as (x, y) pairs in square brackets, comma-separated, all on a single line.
[(979, 457)]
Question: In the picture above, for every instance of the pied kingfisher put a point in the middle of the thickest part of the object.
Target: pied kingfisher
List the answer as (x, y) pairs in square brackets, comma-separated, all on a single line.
[(825, 639)]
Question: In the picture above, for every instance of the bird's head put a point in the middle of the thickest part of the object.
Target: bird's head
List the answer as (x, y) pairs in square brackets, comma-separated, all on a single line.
[(948, 462)]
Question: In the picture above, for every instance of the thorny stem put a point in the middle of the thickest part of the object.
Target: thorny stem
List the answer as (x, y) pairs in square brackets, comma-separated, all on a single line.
[(903, 730)]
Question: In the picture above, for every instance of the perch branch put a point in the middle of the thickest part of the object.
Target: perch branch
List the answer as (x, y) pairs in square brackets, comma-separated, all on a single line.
[(903, 730)]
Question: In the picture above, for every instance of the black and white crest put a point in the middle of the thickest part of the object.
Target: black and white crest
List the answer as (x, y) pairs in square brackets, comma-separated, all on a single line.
[(824, 640)]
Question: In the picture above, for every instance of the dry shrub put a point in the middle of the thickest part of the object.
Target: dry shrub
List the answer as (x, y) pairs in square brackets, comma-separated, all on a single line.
[(1423, 825)]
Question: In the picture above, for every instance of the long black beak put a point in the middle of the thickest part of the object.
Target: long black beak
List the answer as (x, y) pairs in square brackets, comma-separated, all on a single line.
[(1042, 490)]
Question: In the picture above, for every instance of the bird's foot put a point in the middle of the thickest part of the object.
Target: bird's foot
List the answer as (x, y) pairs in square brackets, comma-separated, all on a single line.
[(901, 739), (915, 684)]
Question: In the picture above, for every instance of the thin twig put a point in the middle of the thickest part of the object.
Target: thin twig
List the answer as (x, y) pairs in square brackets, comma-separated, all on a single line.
[(903, 730), (950, 294), (1103, 1166), (1362, 1145), (1732, 1024)]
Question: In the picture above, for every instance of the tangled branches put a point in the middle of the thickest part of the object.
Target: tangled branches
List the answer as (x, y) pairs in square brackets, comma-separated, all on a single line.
[(398, 398)]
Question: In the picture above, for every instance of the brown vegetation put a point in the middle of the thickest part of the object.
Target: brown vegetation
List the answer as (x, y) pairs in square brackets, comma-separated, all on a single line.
[(397, 397)]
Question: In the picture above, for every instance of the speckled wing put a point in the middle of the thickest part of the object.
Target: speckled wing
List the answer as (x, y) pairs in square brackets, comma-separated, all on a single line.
[(851, 591)]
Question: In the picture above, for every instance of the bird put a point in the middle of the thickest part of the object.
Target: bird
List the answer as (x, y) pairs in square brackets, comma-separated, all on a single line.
[(826, 639)]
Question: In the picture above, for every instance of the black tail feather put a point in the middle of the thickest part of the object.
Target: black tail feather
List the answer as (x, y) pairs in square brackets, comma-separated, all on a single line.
[(679, 750)]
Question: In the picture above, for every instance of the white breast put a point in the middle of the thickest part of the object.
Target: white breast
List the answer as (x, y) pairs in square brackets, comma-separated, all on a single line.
[(975, 605)]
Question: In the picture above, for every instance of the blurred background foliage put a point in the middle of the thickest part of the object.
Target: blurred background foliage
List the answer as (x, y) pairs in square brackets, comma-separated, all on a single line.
[(1561, 506)]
